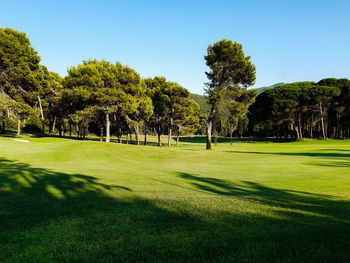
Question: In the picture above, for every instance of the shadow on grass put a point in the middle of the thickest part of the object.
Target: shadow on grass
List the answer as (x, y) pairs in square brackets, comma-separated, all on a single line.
[(337, 157), (8, 133), (48, 216), (202, 139), (322, 205), (95, 139)]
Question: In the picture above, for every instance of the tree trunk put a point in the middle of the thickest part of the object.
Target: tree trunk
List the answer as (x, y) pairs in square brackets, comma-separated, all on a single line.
[(53, 125), (311, 135), (299, 126), (337, 127), (145, 141), (159, 139), (209, 128), (19, 127), (295, 127), (322, 122), (137, 134), (108, 125), (177, 138), (231, 137), (101, 134), (127, 138), (42, 116), (169, 137)]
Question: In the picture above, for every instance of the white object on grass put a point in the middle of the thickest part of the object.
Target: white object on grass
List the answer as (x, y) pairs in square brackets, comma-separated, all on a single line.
[(19, 140)]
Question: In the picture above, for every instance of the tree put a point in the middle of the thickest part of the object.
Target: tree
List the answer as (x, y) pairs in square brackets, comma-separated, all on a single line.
[(156, 87), (322, 97), (111, 88), (296, 109), (186, 117), (237, 107), (177, 99), (340, 108), (230, 72), (19, 69)]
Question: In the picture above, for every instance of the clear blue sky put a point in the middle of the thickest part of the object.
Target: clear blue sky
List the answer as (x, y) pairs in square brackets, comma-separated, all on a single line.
[(287, 40)]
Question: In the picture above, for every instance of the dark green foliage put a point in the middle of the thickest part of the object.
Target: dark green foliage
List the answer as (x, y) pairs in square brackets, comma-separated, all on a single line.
[(231, 72), (173, 107), (20, 75), (301, 109), (100, 86)]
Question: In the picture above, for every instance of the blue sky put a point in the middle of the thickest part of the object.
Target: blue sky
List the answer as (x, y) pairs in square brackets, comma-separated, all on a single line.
[(287, 40)]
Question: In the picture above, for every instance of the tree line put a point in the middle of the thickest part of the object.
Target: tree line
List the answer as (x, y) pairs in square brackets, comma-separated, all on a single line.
[(96, 96), (107, 99), (303, 110)]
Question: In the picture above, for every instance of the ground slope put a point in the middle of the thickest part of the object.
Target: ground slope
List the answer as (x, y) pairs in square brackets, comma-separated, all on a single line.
[(65, 200)]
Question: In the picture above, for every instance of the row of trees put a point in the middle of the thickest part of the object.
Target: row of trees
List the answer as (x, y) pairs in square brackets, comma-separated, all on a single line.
[(106, 98), (303, 109), (110, 98), (95, 96)]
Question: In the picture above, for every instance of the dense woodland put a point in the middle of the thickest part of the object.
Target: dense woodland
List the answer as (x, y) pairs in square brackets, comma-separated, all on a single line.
[(110, 99)]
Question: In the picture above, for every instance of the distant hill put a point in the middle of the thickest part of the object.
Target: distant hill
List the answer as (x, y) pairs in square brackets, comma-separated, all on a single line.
[(262, 89), (205, 107), (202, 102)]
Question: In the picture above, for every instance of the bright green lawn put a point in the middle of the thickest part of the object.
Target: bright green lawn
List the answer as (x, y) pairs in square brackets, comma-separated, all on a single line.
[(65, 200)]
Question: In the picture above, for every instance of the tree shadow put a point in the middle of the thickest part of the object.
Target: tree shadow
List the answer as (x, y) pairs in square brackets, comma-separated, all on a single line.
[(49, 216), (336, 157), (220, 139), (323, 207)]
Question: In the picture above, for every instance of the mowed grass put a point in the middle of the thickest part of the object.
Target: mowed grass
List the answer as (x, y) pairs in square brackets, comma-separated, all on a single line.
[(64, 200)]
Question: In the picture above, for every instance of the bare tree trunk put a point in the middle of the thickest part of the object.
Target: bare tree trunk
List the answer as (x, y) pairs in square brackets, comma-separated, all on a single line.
[(101, 134), (19, 126), (108, 125), (121, 135), (169, 137), (53, 125), (159, 139), (299, 126), (127, 138), (137, 134), (209, 128), (295, 127), (42, 116), (231, 137), (177, 138), (337, 127), (145, 141), (322, 122)]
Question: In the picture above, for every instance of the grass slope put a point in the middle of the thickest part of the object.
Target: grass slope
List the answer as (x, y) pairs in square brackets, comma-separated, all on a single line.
[(65, 200)]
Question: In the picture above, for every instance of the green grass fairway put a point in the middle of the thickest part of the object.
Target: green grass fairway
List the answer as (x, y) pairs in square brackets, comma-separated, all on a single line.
[(64, 200)]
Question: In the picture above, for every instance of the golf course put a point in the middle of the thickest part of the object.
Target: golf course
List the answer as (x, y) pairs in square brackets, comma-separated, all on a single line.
[(68, 200), (174, 131)]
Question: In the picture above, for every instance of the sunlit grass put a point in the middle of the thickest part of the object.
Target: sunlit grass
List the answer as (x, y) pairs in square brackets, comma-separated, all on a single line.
[(66, 200)]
